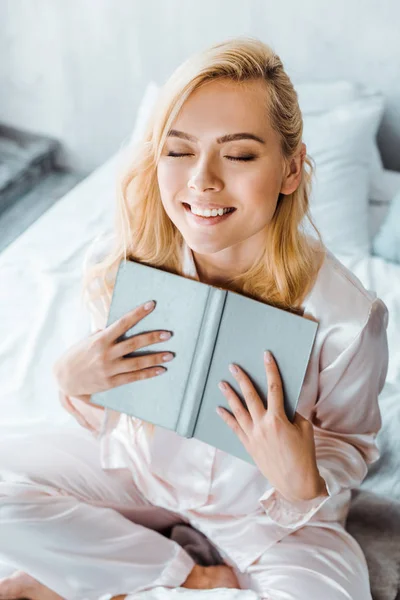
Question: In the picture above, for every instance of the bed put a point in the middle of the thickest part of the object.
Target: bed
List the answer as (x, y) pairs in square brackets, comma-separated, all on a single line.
[(42, 314)]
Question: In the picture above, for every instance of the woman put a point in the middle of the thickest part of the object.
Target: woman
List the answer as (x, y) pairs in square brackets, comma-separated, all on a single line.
[(226, 133)]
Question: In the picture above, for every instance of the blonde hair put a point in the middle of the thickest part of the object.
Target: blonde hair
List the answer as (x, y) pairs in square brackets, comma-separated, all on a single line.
[(143, 231)]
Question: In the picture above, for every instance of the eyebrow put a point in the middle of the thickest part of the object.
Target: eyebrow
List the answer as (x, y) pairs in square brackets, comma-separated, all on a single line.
[(230, 137)]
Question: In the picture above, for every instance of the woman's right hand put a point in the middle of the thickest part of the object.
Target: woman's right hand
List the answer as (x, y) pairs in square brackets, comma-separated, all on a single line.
[(99, 362)]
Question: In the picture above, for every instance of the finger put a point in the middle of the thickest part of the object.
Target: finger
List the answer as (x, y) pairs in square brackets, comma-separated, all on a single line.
[(136, 375), (253, 401), (129, 364), (275, 389), (240, 412), (232, 423), (134, 343), (124, 323)]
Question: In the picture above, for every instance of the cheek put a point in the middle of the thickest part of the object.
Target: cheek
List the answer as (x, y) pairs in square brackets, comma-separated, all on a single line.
[(169, 188), (258, 189), (170, 178), (265, 179)]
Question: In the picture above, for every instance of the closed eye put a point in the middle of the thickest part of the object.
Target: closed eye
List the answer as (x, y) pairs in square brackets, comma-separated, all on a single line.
[(243, 158)]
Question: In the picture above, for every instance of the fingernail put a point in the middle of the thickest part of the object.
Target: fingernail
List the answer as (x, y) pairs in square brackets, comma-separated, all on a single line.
[(149, 305), (165, 335), (233, 368), (267, 356)]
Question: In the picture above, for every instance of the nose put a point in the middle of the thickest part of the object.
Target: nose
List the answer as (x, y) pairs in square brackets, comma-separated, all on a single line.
[(204, 179)]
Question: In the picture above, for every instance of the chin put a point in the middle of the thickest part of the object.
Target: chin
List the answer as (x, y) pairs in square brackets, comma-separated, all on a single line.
[(204, 246)]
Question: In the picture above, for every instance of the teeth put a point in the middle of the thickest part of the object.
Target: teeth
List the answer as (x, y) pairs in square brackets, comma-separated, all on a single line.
[(210, 213)]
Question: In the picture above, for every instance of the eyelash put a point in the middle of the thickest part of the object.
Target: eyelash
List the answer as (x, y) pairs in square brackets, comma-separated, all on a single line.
[(240, 158)]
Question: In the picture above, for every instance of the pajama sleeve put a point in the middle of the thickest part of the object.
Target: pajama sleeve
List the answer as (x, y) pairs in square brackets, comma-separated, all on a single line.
[(346, 419)]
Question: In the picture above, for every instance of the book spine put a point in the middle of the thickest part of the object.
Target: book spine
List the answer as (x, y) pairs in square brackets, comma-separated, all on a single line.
[(202, 356)]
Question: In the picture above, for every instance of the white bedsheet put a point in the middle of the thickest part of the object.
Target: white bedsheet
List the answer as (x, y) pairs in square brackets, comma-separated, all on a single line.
[(41, 315)]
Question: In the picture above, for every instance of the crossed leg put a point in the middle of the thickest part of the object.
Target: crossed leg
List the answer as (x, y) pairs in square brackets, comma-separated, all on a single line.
[(312, 562), (82, 531), (89, 534)]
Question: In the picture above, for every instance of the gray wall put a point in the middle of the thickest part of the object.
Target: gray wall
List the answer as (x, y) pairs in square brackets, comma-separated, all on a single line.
[(76, 69)]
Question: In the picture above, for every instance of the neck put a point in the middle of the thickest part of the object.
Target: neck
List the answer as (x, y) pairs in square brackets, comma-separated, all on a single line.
[(218, 268)]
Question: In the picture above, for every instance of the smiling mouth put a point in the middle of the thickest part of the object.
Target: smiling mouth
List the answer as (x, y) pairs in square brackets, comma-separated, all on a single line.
[(207, 222), (227, 210)]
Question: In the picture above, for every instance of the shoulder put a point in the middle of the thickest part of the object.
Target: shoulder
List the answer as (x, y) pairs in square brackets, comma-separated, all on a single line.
[(343, 307)]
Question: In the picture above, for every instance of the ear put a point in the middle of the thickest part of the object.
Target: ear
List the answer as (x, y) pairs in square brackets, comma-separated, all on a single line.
[(292, 174)]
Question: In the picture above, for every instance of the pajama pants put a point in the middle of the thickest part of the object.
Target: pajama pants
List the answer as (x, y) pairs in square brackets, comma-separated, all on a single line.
[(88, 533)]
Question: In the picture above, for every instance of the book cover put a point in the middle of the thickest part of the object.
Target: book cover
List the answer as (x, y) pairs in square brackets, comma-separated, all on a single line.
[(211, 327)]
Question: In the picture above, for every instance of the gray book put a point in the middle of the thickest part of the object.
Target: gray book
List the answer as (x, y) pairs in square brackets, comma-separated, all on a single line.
[(211, 328)]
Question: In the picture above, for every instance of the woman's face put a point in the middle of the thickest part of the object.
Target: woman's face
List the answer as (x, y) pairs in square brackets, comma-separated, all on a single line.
[(198, 167)]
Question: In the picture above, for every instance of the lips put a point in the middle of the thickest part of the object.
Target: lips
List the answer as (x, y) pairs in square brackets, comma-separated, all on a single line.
[(206, 222), (188, 207)]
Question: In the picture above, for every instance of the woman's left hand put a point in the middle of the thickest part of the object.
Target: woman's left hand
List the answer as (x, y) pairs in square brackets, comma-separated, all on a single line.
[(283, 451)]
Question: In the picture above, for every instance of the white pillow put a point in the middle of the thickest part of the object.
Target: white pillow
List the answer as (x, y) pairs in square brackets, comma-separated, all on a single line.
[(341, 142), (322, 96), (341, 120)]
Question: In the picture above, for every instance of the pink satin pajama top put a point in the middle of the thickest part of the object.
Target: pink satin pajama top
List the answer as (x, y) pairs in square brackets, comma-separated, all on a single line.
[(228, 499)]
